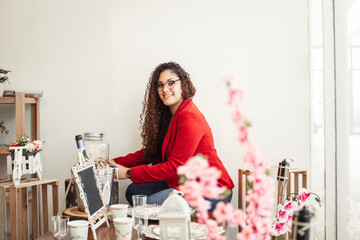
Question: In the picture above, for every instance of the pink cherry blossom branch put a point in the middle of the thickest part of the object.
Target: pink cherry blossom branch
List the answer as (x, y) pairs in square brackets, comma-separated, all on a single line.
[(199, 181)]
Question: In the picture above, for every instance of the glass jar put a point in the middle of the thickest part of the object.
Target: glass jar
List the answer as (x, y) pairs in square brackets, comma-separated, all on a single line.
[(96, 147)]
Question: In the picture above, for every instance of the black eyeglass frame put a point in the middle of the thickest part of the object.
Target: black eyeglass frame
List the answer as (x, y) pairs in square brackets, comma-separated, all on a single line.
[(166, 84)]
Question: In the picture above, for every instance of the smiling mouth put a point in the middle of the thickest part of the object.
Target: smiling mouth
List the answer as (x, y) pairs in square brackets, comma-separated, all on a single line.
[(166, 96)]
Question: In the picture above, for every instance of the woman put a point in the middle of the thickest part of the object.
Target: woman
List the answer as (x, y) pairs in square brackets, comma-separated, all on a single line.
[(173, 131)]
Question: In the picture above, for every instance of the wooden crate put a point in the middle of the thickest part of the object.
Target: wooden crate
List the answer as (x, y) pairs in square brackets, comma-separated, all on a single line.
[(19, 197)]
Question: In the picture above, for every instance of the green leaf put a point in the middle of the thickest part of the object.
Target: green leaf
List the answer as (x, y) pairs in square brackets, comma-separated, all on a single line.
[(182, 179), (226, 193), (249, 185), (247, 122)]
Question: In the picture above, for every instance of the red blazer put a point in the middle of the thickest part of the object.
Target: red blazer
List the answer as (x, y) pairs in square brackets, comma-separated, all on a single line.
[(189, 134)]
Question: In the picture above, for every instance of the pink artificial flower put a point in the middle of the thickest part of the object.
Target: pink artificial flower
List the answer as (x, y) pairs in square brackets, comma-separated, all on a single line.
[(289, 205), (243, 134), (304, 195), (202, 207), (192, 191), (283, 216), (221, 211), (249, 157), (194, 167), (253, 156), (212, 228), (235, 96), (246, 234), (209, 181), (236, 217), (279, 228), (289, 221), (237, 117), (37, 147)]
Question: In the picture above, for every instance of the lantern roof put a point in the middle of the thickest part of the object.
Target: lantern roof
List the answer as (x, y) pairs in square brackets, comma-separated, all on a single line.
[(175, 206)]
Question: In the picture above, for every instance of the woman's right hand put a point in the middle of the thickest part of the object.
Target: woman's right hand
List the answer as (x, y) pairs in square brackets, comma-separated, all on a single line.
[(121, 169), (111, 162)]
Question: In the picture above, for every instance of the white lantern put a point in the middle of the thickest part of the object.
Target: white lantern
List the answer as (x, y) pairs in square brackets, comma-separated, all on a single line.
[(174, 218)]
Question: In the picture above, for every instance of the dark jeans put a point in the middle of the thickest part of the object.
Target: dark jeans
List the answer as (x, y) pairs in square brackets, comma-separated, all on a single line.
[(157, 192)]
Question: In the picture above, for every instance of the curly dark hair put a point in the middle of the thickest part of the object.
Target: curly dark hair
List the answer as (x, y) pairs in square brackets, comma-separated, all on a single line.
[(155, 117)]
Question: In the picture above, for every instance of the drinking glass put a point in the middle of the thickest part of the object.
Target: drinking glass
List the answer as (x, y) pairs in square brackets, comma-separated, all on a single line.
[(59, 226), (140, 214)]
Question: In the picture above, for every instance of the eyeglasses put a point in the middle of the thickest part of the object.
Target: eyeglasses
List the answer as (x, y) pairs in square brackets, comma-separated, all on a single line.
[(170, 84)]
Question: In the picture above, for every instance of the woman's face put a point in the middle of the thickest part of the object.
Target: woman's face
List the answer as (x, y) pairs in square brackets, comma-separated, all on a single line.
[(169, 90)]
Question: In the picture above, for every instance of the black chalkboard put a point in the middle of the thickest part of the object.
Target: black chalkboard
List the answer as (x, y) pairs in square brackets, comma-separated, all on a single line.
[(92, 194)]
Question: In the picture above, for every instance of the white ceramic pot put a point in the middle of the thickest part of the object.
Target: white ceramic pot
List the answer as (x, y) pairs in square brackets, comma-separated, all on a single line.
[(119, 210), (78, 229), (123, 228)]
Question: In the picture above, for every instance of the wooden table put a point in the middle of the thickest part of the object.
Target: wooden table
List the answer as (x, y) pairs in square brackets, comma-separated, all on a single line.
[(75, 213), (105, 233)]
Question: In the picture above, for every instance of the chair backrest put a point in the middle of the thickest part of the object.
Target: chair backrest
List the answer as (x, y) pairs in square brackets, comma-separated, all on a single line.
[(293, 182), (295, 175), (242, 184)]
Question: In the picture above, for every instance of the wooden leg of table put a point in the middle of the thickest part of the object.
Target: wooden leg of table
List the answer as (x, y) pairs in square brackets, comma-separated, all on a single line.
[(3, 219), (25, 213), (37, 135), (296, 183), (304, 180), (13, 213), (55, 193), (279, 198), (20, 210), (288, 191), (14, 201), (45, 208), (35, 211), (20, 114), (241, 189), (35, 120)]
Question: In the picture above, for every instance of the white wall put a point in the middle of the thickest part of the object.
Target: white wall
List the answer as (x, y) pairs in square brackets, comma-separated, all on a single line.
[(92, 59)]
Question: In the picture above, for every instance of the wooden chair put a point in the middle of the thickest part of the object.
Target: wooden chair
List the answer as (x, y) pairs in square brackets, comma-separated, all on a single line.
[(293, 182), (295, 175), (242, 183)]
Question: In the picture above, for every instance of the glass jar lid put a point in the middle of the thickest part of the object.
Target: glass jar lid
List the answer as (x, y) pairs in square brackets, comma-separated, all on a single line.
[(93, 136)]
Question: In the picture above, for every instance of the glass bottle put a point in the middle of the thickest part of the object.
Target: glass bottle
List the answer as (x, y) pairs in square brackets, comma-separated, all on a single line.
[(82, 156)]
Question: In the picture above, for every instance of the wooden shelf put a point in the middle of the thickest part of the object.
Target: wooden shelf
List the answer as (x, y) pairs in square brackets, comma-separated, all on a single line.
[(4, 150), (20, 210), (20, 101), (12, 100)]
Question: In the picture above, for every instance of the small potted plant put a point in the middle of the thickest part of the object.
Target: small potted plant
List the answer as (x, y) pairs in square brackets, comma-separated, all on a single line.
[(4, 77), (24, 158), (31, 147)]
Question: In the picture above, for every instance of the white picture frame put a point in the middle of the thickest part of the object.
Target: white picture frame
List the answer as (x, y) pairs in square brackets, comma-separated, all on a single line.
[(87, 181)]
